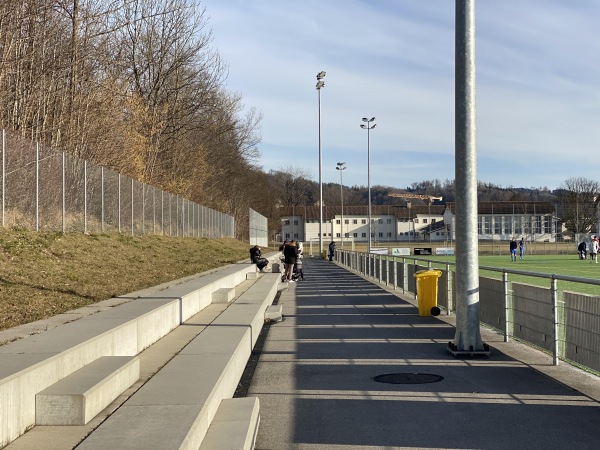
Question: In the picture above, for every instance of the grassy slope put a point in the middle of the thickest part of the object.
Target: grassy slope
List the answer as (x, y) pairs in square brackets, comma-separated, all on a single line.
[(44, 274)]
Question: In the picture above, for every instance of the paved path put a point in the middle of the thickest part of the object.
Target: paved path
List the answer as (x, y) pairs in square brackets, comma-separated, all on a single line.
[(315, 379)]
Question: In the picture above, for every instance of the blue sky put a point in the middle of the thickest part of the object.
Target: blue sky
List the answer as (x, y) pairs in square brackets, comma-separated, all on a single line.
[(538, 86)]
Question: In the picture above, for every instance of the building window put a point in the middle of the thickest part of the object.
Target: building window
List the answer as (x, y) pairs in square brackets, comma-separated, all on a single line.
[(287, 221), (538, 224), (346, 221), (287, 235), (355, 234), (295, 235), (337, 234), (424, 220), (389, 235), (364, 235), (389, 221), (363, 221), (380, 235), (354, 221), (432, 220), (296, 222), (338, 221), (380, 220), (417, 221)]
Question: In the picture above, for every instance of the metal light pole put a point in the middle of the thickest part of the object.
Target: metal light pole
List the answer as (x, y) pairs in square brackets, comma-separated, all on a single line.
[(341, 166), (320, 84), (467, 339), (367, 126)]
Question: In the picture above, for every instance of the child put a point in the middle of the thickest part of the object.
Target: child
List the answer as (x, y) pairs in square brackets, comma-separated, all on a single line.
[(298, 269)]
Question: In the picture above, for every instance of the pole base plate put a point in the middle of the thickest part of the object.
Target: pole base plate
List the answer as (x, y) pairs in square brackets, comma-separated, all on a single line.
[(455, 351)]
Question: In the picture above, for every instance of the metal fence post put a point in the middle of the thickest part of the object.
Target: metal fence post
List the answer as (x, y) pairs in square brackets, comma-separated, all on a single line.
[(64, 190), (37, 186), (119, 201), (448, 290), (3, 174), (85, 196), (143, 208), (132, 206), (102, 199), (554, 319), (506, 306)]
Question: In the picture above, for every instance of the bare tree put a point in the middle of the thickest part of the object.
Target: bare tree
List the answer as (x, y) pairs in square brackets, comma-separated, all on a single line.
[(579, 198)]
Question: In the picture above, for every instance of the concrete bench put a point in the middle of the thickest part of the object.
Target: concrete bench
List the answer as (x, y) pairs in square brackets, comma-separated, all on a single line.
[(32, 364), (274, 313), (175, 408), (79, 397), (234, 426), (223, 295)]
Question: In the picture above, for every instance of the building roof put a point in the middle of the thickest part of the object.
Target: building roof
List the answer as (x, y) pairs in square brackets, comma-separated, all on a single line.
[(508, 207), (403, 212), (329, 212)]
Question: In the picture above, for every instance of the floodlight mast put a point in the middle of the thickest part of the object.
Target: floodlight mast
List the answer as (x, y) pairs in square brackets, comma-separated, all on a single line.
[(467, 340), (341, 166), (369, 127), (320, 84)]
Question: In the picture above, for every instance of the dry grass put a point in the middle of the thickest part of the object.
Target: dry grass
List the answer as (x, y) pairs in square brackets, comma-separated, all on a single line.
[(43, 274)]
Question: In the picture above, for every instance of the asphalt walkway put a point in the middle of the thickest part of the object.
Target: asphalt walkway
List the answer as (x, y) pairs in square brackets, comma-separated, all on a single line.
[(316, 378)]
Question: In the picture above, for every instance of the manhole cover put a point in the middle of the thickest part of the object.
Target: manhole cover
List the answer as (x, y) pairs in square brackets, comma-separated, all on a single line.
[(408, 378)]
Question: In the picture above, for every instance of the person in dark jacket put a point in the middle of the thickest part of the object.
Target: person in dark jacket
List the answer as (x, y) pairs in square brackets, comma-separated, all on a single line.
[(290, 253), (582, 249), (256, 258), (513, 249), (331, 250)]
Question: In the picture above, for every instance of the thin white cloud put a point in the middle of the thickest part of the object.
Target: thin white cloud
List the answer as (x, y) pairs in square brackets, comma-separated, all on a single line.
[(538, 95)]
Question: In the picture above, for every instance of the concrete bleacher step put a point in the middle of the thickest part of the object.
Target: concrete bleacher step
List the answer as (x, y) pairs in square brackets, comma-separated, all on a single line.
[(234, 426), (174, 408), (79, 397), (223, 295), (274, 313)]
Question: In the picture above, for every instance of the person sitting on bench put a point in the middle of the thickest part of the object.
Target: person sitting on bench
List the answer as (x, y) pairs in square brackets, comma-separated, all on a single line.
[(256, 258)]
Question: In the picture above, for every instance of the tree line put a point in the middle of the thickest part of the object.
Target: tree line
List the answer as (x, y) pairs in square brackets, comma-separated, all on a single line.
[(133, 85), (136, 86), (577, 199)]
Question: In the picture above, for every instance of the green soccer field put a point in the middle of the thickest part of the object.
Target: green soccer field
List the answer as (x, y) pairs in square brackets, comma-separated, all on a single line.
[(547, 264)]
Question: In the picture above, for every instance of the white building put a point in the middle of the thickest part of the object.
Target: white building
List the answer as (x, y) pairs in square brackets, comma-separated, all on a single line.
[(535, 221)]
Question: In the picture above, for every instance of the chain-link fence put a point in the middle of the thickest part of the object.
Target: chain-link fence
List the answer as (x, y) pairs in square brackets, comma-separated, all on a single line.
[(49, 191)]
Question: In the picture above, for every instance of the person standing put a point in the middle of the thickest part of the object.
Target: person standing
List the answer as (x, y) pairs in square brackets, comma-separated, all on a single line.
[(290, 253), (521, 248), (513, 249), (331, 250), (582, 249), (594, 249)]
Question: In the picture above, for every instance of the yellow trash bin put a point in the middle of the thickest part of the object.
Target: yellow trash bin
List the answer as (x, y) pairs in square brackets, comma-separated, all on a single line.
[(324, 254), (427, 289)]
